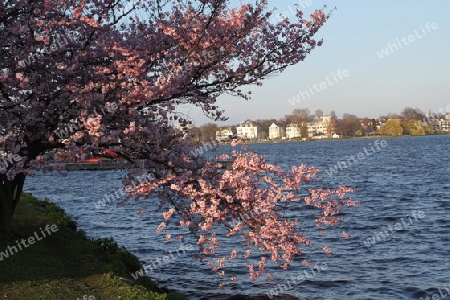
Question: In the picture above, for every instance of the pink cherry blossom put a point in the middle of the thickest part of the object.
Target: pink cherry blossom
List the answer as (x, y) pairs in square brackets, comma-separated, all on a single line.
[(115, 82)]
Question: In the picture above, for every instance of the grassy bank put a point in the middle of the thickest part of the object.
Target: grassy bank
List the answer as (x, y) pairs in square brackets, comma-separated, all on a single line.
[(59, 262)]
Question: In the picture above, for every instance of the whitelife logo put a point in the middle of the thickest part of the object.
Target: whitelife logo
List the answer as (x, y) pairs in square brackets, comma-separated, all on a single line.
[(49, 229), (397, 227), (405, 41), (281, 288), (9, 160), (353, 159), (79, 123), (58, 43), (317, 87)]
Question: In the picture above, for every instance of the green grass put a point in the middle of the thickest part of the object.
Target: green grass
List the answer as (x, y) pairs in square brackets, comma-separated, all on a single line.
[(67, 264)]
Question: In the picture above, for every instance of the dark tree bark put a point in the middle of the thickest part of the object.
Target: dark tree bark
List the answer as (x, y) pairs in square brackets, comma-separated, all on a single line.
[(10, 192)]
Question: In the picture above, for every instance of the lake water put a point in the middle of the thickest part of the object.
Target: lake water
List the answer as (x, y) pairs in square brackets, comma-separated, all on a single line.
[(401, 231)]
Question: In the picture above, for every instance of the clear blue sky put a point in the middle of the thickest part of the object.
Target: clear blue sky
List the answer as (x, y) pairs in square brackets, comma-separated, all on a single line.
[(415, 75)]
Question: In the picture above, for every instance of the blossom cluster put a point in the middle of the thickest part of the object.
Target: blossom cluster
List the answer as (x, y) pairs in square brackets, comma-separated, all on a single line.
[(250, 185)]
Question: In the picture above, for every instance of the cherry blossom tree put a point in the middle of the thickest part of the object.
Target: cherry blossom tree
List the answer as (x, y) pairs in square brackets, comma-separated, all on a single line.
[(80, 77)]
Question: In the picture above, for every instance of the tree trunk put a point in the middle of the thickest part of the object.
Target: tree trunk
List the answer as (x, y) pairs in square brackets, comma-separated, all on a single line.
[(10, 192)]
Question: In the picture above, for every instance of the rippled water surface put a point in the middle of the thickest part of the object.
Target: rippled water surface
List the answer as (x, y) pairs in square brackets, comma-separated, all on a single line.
[(408, 257)]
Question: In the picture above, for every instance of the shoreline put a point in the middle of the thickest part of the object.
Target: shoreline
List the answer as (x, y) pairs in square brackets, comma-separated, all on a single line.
[(50, 258), (249, 142)]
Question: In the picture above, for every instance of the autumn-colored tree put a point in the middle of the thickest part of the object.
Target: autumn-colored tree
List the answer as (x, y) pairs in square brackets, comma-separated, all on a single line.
[(413, 127), (207, 132), (412, 114), (429, 129), (298, 116), (368, 126), (263, 135), (80, 77), (391, 116), (348, 125), (391, 128), (331, 126)]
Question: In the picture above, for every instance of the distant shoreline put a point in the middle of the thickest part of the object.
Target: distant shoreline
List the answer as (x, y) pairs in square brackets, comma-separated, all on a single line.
[(245, 142)]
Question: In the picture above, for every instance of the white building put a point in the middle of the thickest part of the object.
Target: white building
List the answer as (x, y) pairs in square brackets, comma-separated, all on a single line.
[(224, 134), (444, 124), (320, 126), (247, 130), (276, 131), (293, 131)]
